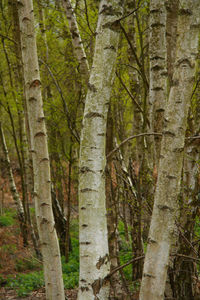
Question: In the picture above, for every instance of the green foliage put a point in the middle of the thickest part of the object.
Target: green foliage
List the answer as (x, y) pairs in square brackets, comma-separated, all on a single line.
[(125, 254), (6, 220), (71, 269), (10, 248), (22, 265), (25, 283), (124, 258), (197, 228)]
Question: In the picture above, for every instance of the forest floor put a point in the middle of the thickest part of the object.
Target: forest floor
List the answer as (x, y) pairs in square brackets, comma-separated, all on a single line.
[(8, 294), (21, 275), (15, 259)]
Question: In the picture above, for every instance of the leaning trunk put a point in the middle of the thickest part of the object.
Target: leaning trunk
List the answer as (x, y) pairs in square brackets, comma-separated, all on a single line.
[(14, 192), (169, 173), (38, 139)]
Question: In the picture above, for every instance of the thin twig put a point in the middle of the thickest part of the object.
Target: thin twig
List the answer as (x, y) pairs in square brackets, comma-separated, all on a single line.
[(123, 266), (87, 18), (69, 121), (196, 86), (129, 14), (184, 237), (193, 137), (7, 38), (143, 75), (144, 134), (129, 93), (186, 256), (130, 138)]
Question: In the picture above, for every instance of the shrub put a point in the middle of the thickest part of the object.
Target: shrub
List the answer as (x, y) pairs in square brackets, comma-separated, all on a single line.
[(6, 220)]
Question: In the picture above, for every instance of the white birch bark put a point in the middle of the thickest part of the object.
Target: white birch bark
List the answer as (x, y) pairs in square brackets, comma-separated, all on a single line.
[(158, 70), (76, 39), (13, 188), (171, 35), (38, 140), (94, 254), (171, 161)]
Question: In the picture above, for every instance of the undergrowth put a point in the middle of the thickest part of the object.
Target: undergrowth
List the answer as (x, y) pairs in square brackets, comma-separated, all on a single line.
[(33, 279), (24, 284), (7, 218)]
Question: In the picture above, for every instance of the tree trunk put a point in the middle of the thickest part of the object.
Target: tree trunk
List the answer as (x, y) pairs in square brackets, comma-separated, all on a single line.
[(171, 35), (158, 70), (76, 40), (14, 192), (38, 139), (94, 254), (169, 173)]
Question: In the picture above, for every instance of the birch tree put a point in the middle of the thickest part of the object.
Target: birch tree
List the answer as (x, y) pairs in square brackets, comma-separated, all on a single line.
[(13, 189), (94, 254), (158, 70), (172, 149), (38, 140), (78, 48)]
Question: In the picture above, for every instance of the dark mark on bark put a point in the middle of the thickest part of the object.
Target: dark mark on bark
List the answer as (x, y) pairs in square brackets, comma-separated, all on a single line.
[(185, 11), (148, 275), (96, 286), (171, 176), (84, 288), (87, 190), (102, 260), (94, 114), (35, 83), (170, 133), (151, 241), (84, 225), (44, 221), (40, 133), (185, 62), (85, 169), (92, 87), (165, 207), (44, 204), (178, 150), (32, 99), (44, 159), (85, 243), (110, 48)]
